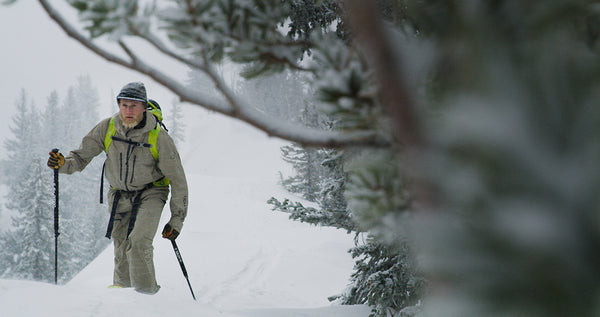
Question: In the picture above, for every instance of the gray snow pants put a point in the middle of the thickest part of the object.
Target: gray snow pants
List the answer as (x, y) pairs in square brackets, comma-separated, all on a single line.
[(134, 263)]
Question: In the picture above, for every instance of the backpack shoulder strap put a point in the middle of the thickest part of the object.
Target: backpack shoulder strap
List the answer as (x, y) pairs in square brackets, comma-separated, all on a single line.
[(152, 139), (109, 133)]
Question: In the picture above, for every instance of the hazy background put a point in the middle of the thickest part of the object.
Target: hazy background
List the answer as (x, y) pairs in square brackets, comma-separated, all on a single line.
[(40, 58)]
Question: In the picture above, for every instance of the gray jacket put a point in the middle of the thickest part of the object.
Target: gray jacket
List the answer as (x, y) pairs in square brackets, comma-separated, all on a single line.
[(129, 167)]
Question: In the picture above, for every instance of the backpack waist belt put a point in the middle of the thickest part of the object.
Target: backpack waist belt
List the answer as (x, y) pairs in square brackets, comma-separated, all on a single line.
[(137, 200)]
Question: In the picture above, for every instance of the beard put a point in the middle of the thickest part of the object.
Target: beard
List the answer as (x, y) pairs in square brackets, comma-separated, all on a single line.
[(131, 124)]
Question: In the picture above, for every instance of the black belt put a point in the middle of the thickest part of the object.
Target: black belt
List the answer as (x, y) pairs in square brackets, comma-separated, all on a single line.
[(134, 209)]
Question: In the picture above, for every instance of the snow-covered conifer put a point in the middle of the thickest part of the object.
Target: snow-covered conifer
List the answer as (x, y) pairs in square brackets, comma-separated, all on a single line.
[(33, 226), (175, 122)]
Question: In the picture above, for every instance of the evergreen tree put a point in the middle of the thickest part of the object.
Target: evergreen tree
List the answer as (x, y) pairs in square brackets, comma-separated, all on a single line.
[(385, 275), (82, 219), (306, 161), (176, 124), (20, 149), (33, 227), (201, 82), (386, 279), (9, 247), (51, 121), (16, 167), (332, 183), (279, 95), (85, 103)]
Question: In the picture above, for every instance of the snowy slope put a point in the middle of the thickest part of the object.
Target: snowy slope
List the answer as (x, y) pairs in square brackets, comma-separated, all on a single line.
[(242, 258)]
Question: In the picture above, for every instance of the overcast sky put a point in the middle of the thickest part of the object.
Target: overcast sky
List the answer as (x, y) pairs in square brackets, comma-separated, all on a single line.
[(39, 57)]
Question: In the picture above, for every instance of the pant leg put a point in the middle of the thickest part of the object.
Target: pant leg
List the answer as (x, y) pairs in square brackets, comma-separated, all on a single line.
[(140, 253), (121, 272), (121, 275)]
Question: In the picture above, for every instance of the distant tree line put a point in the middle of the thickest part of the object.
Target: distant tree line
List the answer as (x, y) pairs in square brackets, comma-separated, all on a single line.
[(27, 248)]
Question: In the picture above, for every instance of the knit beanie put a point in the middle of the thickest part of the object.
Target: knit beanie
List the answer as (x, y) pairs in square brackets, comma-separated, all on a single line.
[(133, 91)]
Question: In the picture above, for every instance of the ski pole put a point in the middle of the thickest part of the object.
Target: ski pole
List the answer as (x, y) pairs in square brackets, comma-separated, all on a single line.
[(176, 249), (56, 233)]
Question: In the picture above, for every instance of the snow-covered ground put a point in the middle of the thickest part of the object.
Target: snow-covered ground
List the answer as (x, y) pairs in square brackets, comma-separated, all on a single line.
[(242, 258)]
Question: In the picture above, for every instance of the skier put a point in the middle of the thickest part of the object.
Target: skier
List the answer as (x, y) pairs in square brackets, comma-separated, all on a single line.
[(142, 162)]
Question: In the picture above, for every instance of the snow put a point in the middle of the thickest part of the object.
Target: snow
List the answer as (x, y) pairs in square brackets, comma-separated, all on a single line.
[(242, 258)]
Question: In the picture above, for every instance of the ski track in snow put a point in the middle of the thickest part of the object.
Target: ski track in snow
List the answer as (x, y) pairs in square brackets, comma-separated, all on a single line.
[(251, 278)]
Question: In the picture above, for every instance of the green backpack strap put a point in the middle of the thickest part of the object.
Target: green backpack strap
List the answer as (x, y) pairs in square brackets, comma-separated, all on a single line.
[(154, 109), (109, 133), (153, 140), (107, 141)]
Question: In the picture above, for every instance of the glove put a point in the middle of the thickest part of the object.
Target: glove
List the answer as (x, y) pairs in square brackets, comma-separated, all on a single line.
[(56, 160), (170, 233)]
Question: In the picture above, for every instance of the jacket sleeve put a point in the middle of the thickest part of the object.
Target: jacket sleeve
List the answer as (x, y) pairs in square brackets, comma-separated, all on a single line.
[(91, 145), (169, 163)]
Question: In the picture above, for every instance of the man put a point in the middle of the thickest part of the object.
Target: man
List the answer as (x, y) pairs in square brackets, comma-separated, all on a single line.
[(139, 184)]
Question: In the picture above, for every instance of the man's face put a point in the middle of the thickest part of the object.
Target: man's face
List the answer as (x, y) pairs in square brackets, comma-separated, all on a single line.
[(131, 111)]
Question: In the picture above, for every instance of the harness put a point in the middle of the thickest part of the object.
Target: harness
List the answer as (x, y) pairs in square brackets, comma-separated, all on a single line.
[(137, 195), (137, 200)]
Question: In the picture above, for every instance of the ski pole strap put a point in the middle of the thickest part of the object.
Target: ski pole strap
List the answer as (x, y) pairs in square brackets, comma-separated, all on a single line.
[(113, 211)]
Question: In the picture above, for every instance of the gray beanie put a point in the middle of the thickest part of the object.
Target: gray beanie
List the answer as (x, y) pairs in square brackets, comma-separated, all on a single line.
[(133, 91)]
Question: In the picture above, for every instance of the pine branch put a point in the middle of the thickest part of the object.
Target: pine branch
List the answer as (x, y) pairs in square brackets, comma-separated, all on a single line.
[(236, 109), (397, 101), (298, 212)]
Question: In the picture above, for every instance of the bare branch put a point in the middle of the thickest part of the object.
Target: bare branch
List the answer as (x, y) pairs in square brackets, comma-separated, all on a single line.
[(269, 56), (183, 92), (160, 46), (204, 67), (134, 58), (221, 86)]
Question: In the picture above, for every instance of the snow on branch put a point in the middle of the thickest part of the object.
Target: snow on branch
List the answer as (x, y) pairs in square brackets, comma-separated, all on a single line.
[(232, 106)]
